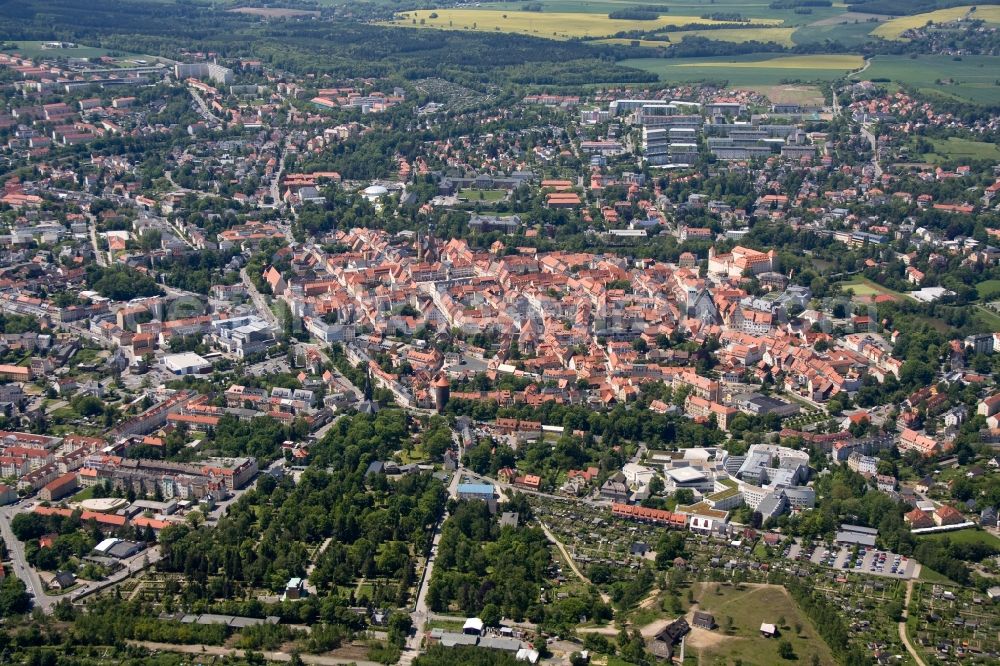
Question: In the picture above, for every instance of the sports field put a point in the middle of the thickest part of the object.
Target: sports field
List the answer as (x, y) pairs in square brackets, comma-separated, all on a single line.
[(35, 50), (965, 79), (553, 25), (895, 28), (751, 70)]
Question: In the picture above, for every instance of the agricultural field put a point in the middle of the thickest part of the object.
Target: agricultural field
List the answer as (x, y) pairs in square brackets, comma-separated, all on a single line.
[(781, 36), (752, 70), (678, 8), (850, 29), (567, 19), (747, 608), (955, 148), (968, 79), (553, 25), (895, 28)]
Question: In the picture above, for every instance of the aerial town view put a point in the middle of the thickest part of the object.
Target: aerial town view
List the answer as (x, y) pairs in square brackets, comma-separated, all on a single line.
[(486, 333)]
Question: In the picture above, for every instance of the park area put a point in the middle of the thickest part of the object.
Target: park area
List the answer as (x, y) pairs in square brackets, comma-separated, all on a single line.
[(739, 613)]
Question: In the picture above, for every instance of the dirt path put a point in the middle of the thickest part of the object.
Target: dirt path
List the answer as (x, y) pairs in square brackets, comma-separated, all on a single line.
[(219, 651), (903, 636), (569, 560), (868, 63), (651, 598), (605, 631)]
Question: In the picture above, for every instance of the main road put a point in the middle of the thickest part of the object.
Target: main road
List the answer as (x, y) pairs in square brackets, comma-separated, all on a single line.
[(258, 299), (102, 259), (203, 109), (22, 569)]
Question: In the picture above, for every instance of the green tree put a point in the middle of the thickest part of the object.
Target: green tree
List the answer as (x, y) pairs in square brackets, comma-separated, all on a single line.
[(14, 599)]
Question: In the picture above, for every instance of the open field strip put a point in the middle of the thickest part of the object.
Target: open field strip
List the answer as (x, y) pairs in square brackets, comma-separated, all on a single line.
[(781, 36), (756, 71), (790, 62)]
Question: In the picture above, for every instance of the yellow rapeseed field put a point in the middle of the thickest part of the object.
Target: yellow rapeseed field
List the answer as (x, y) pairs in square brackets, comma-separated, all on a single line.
[(553, 25), (894, 28)]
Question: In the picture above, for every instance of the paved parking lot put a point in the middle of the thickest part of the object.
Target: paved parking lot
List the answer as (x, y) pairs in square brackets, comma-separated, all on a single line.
[(870, 561)]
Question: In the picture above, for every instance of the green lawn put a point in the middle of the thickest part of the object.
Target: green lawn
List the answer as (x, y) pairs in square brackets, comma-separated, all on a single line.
[(416, 454), (85, 355), (989, 319), (966, 536), (862, 286), (85, 494), (490, 196), (931, 576), (967, 79), (748, 608), (987, 287)]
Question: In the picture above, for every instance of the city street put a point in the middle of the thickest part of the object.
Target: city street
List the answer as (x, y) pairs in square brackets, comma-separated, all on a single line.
[(20, 567), (33, 581)]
